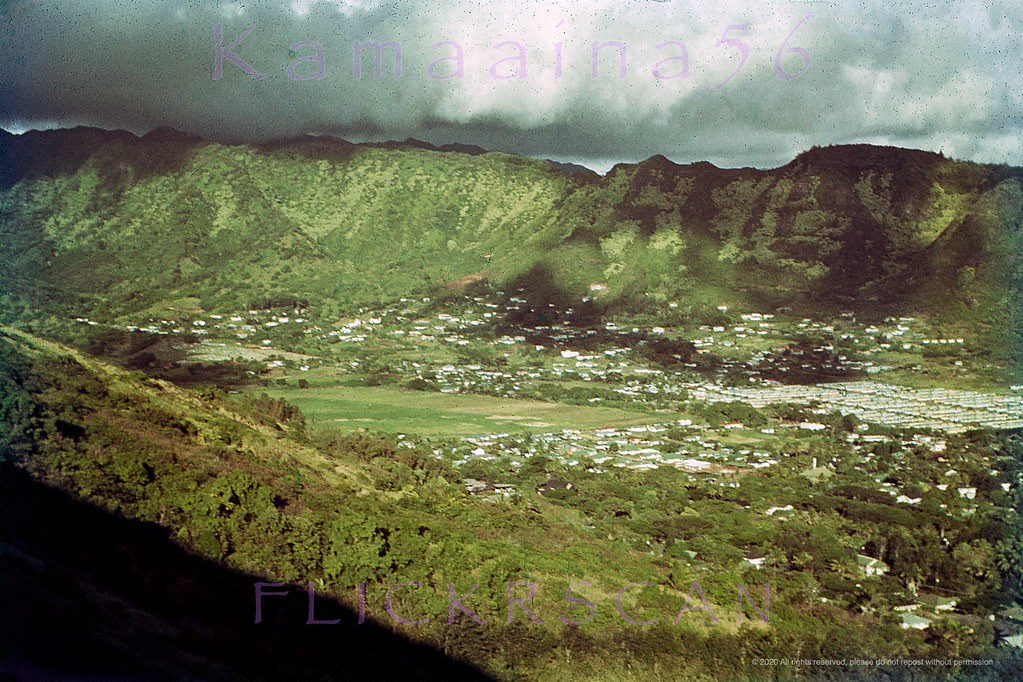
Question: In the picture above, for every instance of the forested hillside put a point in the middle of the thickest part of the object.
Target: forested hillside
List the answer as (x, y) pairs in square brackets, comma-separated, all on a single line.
[(104, 224)]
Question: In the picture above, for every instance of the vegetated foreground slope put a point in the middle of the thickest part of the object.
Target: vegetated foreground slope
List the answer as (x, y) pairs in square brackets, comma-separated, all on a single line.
[(150, 512), (138, 517), (158, 494), (103, 224)]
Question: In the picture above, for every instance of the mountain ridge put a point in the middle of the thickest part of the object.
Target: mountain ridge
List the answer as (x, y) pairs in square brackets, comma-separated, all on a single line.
[(116, 224)]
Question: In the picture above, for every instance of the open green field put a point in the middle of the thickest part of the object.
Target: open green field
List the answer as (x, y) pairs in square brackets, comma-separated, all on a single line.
[(437, 414)]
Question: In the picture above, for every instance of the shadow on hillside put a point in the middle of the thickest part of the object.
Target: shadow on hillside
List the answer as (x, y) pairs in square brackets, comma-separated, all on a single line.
[(546, 302), (86, 595)]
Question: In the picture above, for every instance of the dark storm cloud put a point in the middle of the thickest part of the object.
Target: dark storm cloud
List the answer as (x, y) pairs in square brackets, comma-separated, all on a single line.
[(935, 75)]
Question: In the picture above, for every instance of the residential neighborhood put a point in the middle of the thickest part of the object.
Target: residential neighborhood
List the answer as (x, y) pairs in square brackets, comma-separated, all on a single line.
[(740, 401)]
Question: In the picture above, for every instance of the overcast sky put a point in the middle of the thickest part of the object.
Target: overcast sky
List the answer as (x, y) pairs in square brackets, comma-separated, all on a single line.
[(943, 76)]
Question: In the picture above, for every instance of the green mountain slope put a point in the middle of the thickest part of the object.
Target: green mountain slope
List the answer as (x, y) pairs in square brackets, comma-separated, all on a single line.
[(105, 224), (311, 220)]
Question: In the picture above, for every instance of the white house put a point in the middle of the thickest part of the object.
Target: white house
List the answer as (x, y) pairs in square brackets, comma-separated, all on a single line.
[(910, 620), (871, 566)]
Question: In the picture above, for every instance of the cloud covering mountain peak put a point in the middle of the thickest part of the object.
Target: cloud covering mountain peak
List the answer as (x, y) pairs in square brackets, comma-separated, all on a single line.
[(738, 84)]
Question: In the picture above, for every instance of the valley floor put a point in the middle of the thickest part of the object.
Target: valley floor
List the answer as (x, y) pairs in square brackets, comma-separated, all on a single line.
[(867, 480)]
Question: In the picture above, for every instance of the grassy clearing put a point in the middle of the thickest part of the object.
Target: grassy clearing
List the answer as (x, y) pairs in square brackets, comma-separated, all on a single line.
[(437, 414)]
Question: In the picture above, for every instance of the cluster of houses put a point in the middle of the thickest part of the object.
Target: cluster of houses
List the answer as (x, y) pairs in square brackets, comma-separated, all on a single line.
[(571, 356), (746, 344), (941, 409), (699, 451), (639, 448)]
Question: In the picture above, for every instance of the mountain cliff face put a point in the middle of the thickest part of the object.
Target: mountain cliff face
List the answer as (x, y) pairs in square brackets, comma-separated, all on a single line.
[(106, 224)]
